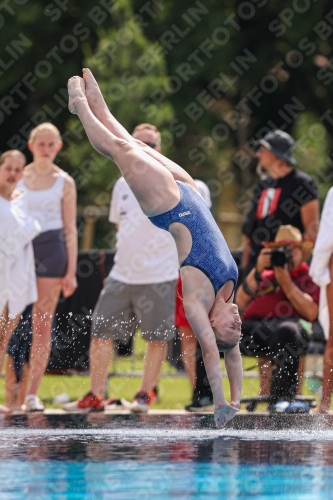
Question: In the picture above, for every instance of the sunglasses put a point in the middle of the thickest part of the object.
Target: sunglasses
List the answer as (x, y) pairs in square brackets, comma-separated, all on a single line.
[(151, 144)]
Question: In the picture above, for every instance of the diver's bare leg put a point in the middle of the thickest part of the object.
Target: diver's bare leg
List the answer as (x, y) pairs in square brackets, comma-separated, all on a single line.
[(99, 107), (101, 111), (153, 185)]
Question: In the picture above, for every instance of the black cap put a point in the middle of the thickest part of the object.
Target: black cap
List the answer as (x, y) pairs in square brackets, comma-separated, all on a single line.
[(280, 144)]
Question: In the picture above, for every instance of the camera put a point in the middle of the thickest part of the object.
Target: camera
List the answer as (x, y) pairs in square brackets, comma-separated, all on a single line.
[(280, 256)]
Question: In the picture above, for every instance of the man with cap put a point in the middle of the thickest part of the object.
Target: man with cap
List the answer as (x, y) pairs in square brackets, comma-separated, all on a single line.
[(285, 195), (139, 292), (276, 297)]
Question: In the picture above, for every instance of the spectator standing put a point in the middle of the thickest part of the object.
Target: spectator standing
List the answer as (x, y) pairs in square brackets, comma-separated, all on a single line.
[(284, 196), (274, 296), (51, 200), (321, 270), (17, 272), (139, 292)]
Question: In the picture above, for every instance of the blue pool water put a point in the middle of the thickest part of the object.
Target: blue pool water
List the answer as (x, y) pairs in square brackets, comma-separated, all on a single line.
[(183, 457)]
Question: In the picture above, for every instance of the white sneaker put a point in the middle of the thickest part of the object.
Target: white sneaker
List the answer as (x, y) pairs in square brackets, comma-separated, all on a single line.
[(136, 406), (33, 403), (71, 406), (114, 404)]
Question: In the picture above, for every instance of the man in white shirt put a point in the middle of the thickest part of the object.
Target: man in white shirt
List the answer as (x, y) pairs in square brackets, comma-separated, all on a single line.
[(139, 292)]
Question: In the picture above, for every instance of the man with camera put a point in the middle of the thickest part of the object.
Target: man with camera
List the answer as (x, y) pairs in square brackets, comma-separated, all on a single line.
[(275, 297)]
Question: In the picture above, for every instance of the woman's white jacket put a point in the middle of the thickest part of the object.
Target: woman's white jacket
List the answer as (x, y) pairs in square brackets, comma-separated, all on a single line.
[(320, 264), (17, 268)]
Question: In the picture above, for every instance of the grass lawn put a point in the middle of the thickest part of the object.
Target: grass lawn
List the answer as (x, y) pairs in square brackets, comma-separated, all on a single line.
[(174, 391)]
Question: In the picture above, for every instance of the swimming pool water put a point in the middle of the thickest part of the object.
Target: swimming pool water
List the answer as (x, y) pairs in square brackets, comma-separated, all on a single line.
[(100, 456)]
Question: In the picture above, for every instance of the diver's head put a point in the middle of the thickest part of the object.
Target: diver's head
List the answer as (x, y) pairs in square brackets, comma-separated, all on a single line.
[(149, 134), (226, 323)]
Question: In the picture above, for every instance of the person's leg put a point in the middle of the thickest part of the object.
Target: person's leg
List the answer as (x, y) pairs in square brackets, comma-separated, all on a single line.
[(265, 375), (154, 358), (154, 306), (281, 341), (255, 342), (202, 395), (189, 349), (300, 375), (10, 382), (13, 401), (256, 335), (100, 357), (101, 111), (22, 385), (186, 335), (113, 319), (7, 327), (42, 319), (152, 184), (327, 385), (288, 344)]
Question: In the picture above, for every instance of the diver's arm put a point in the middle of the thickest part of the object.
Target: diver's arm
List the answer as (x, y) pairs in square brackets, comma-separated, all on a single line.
[(233, 364), (204, 333)]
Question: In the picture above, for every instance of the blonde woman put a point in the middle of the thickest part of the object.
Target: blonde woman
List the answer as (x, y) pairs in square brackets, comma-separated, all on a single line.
[(17, 272), (51, 199)]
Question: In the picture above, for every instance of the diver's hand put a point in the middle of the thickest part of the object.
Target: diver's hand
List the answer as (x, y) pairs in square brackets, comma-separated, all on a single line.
[(224, 413)]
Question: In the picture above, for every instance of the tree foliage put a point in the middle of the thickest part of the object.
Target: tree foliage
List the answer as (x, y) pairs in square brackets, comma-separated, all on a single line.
[(41, 49), (213, 75), (244, 68), (125, 87)]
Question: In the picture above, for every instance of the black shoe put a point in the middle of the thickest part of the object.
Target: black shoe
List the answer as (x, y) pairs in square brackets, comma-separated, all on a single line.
[(200, 405)]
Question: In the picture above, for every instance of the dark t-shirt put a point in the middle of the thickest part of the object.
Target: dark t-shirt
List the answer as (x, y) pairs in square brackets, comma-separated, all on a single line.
[(275, 304), (277, 202)]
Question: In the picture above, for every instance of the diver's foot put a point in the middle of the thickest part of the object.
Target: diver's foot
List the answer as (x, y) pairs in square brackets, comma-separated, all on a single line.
[(76, 92), (93, 94)]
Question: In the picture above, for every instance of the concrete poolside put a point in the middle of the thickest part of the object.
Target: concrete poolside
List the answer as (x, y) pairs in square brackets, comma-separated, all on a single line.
[(257, 421), (59, 411)]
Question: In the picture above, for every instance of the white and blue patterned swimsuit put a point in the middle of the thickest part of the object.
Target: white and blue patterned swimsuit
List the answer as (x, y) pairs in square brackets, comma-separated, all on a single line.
[(209, 252)]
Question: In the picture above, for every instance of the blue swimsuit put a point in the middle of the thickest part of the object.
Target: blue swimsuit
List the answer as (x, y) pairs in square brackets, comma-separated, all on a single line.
[(209, 251)]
